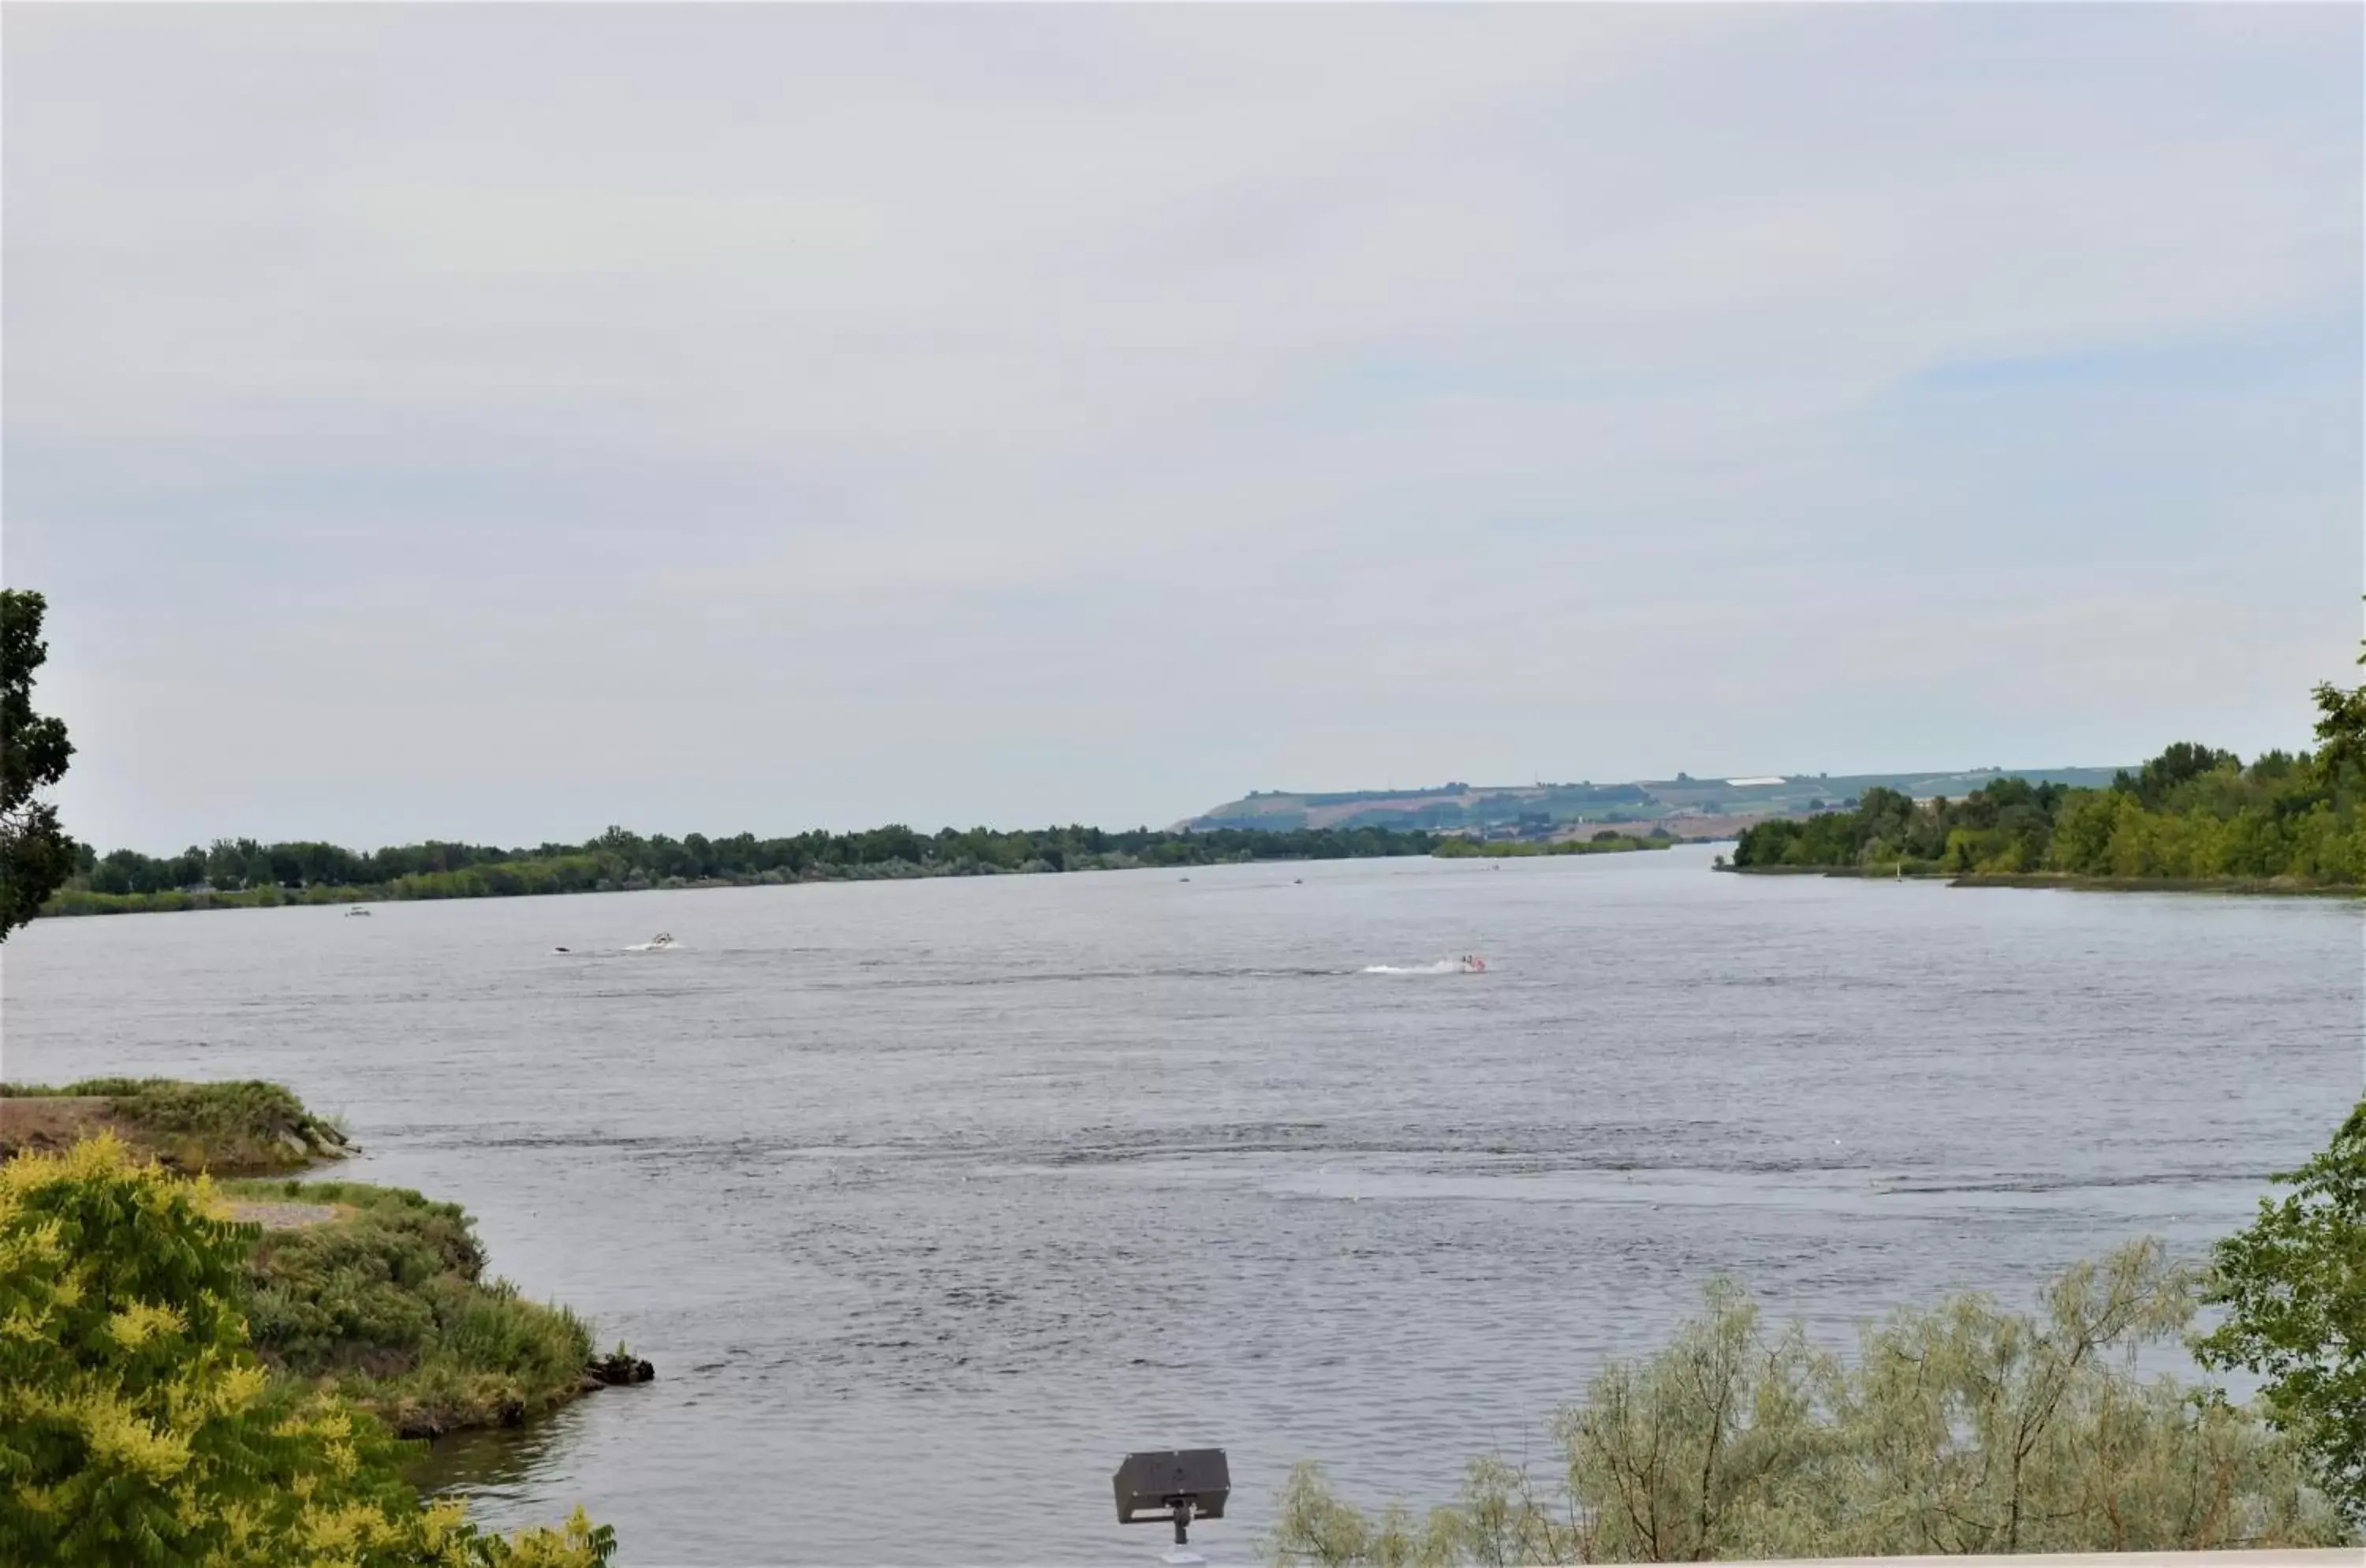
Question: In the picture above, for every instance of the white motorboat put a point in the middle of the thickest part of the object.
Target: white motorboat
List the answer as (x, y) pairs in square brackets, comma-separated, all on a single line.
[(1468, 963)]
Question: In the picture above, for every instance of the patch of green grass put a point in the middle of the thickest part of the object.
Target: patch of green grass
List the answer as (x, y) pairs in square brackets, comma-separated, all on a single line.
[(246, 1125), (388, 1304), (82, 901)]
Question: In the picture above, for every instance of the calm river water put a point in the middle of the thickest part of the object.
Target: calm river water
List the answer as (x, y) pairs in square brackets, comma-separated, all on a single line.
[(932, 1199)]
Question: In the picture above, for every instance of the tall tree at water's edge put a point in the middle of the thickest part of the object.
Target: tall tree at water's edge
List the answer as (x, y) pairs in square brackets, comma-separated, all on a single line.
[(36, 855), (2341, 727), (2293, 1284)]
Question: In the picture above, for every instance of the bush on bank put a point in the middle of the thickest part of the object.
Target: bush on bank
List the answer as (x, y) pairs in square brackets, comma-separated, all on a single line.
[(137, 1425), (1957, 1428)]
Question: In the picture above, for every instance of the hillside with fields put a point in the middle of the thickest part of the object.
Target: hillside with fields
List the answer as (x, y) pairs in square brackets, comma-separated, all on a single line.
[(1687, 808)]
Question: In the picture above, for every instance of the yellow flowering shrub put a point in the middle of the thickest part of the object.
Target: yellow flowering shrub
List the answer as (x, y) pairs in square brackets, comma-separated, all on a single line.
[(136, 1425)]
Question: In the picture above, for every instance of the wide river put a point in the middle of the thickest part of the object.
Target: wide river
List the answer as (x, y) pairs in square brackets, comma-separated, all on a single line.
[(931, 1200)]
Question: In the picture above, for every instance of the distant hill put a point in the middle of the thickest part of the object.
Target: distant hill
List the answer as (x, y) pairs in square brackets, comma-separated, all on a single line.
[(1687, 807)]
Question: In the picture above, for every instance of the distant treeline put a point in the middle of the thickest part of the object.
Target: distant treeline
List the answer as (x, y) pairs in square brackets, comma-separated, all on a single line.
[(2193, 813), (240, 871), (1606, 842)]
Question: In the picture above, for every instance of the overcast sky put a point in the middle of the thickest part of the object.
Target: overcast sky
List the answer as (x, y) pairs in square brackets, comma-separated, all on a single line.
[(497, 422)]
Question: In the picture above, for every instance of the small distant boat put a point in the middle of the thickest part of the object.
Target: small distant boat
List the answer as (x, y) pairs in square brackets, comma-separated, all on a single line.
[(658, 943), (357, 910), (1468, 963)]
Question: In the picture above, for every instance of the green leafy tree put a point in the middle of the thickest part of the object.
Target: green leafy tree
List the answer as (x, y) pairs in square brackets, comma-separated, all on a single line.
[(2180, 762), (2191, 812), (137, 1426), (36, 855), (2341, 731), (2293, 1285)]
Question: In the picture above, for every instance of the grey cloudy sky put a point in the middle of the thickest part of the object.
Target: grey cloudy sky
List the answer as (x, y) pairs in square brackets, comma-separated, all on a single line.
[(499, 422)]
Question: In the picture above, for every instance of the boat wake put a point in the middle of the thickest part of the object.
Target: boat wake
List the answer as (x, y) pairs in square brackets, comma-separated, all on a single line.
[(1443, 967)]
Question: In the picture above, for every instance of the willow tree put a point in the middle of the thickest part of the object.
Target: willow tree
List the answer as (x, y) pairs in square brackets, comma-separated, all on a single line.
[(1963, 1428)]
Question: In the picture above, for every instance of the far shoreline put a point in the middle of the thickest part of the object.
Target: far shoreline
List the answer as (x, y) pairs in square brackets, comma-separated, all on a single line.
[(81, 903), (2248, 886)]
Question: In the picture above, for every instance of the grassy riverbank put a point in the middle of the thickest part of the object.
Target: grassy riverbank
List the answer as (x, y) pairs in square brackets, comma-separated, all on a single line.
[(2260, 886), (379, 1294), (172, 900), (2255, 886), (1519, 849), (228, 1129), (375, 1293)]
